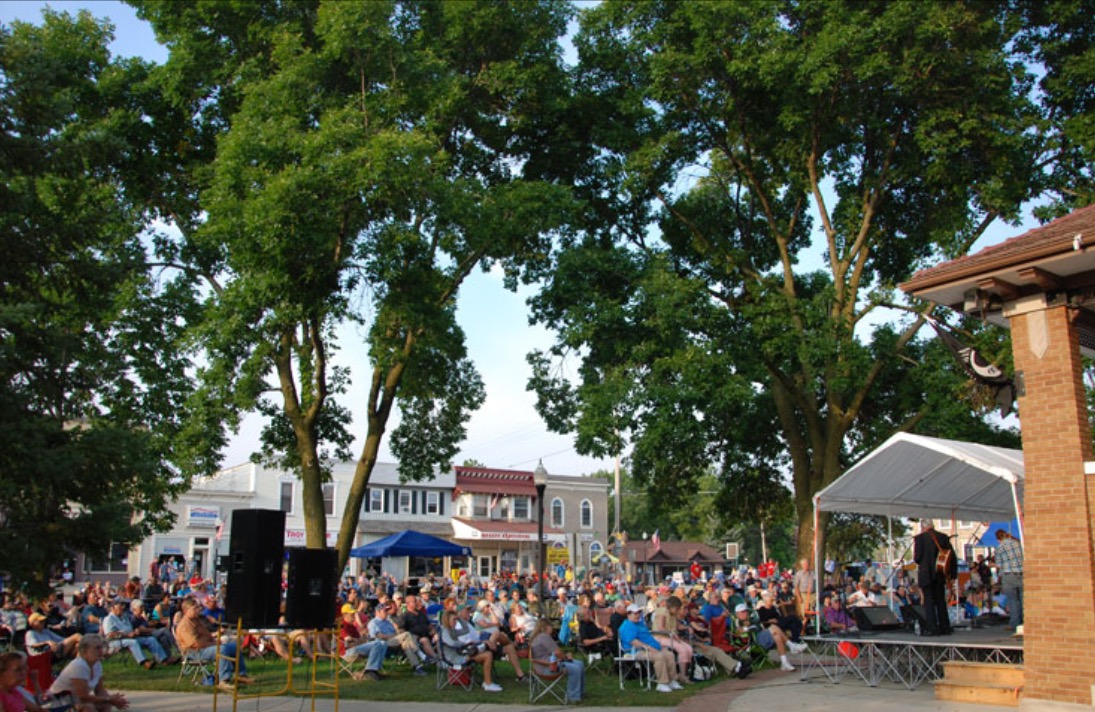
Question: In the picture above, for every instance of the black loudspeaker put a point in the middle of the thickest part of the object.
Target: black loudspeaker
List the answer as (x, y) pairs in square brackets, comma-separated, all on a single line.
[(875, 618), (313, 581), (913, 615), (255, 555)]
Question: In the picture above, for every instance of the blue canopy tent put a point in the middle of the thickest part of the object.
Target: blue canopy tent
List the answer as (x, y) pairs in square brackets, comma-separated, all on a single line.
[(409, 543), (988, 538)]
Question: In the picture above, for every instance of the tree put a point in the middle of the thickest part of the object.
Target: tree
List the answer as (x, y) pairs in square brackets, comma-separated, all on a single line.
[(367, 158), (713, 324), (92, 356)]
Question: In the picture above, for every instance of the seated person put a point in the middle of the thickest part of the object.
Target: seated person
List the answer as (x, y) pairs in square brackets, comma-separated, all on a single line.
[(416, 621), (767, 613), (144, 626), (92, 614), (592, 638), (666, 626), (119, 633), (460, 642), (40, 639), (836, 617), (862, 597), (544, 648), (194, 638), (381, 628), (522, 623), (356, 645), (486, 620), (637, 640), (83, 678), (768, 637)]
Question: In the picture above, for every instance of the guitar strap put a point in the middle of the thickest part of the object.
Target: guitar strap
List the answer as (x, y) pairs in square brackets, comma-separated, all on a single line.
[(938, 549)]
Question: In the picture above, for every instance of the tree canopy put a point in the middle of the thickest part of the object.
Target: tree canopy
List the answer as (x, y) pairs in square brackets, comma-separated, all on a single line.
[(93, 361), (359, 161), (759, 177)]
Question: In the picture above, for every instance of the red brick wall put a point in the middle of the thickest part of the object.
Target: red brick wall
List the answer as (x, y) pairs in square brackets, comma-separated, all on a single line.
[(1059, 566)]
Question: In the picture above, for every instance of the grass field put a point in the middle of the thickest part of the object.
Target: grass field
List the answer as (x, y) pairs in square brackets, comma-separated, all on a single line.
[(401, 685)]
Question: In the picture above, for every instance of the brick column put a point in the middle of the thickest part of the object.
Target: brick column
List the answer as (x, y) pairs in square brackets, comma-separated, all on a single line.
[(1059, 571)]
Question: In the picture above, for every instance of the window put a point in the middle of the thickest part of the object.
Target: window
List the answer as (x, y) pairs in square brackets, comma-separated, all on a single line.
[(287, 497), (433, 503), (557, 511), (329, 499), (462, 506), (116, 558), (587, 514), (479, 505), (405, 501), (596, 551), (485, 566), (520, 508), (376, 500)]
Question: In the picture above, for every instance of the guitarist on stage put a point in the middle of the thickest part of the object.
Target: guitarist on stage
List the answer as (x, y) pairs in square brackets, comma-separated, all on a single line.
[(936, 564)]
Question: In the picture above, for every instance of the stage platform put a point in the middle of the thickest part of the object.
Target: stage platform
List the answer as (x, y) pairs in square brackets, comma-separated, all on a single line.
[(902, 657)]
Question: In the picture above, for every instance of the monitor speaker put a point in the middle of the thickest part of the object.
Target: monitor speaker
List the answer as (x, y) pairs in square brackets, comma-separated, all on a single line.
[(313, 582), (913, 615), (875, 618), (256, 552)]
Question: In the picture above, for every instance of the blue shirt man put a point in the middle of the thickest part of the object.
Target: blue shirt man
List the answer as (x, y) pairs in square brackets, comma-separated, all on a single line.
[(637, 640)]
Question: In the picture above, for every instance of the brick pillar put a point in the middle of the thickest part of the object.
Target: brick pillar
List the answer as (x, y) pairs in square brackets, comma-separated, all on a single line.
[(1059, 571)]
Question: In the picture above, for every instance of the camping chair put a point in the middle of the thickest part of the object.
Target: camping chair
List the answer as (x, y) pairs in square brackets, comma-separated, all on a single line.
[(40, 679), (751, 651), (193, 666), (719, 639), (452, 674), (551, 683), (595, 658), (629, 666)]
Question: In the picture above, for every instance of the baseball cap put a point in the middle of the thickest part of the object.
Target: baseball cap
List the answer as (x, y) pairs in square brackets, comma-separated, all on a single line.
[(35, 617), (740, 607), (634, 608)]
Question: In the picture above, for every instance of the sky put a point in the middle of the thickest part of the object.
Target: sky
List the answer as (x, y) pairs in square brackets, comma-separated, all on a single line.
[(506, 431)]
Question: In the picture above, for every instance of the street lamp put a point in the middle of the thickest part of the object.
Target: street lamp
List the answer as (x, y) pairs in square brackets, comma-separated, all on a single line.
[(539, 478)]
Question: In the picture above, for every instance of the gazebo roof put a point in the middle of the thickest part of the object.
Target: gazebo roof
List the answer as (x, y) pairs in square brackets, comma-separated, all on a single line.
[(1056, 259)]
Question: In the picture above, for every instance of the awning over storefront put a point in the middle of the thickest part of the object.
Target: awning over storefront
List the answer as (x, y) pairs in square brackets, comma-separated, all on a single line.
[(475, 530)]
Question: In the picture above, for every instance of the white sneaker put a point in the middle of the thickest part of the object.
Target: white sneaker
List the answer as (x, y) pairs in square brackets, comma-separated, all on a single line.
[(492, 687), (676, 685), (664, 688), (797, 647), (786, 666)]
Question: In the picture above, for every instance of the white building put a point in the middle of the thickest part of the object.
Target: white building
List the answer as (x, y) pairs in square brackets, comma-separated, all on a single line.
[(501, 536)]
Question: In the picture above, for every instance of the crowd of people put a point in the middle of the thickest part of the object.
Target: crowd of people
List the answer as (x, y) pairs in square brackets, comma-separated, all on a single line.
[(452, 620)]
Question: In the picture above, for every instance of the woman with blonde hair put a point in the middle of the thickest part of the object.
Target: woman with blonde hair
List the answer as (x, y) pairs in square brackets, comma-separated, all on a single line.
[(460, 643)]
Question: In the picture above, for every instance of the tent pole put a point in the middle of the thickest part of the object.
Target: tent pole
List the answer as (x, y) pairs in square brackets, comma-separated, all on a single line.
[(1018, 510), (818, 566)]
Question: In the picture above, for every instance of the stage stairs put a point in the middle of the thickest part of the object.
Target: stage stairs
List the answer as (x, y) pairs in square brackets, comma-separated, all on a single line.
[(982, 683)]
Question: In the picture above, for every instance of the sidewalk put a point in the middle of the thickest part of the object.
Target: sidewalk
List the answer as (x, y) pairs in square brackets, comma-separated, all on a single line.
[(769, 690)]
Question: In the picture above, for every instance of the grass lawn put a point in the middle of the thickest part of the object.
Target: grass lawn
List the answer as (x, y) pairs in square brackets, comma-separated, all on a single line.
[(122, 674)]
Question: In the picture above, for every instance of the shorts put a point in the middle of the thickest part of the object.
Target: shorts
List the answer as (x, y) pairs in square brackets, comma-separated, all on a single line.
[(764, 639)]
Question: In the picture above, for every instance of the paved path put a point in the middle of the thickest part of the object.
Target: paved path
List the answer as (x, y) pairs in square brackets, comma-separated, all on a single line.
[(769, 691)]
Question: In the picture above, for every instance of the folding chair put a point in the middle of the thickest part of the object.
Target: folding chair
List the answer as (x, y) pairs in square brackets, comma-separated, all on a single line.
[(546, 683), (40, 679), (751, 651), (199, 671), (628, 666), (596, 657), (452, 674)]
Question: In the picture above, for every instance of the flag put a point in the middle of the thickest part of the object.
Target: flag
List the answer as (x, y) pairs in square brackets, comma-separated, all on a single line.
[(657, 540), (494, 501), (220, 530)]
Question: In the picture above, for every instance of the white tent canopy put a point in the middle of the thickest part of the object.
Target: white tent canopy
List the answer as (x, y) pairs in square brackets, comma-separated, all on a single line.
[(918, 476)]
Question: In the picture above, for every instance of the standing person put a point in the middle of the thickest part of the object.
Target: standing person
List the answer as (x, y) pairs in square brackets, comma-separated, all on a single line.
[(1009, 561), (544, 647), (932, 576), (805, 586), (83, 677)]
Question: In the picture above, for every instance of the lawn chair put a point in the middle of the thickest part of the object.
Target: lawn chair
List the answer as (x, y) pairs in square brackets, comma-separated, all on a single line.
[(629, 666), (551, 683), (453, 674), (40, 680), (752, 652), (198, 670)]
